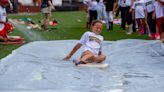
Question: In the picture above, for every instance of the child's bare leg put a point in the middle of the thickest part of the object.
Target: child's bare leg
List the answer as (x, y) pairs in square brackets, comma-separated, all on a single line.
[(46, 20), (139, 26), (86, 57), (162, 37), (147, 27), (99, 58)]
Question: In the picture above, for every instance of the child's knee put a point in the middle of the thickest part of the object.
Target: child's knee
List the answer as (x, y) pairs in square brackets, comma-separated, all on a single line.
[(102, 57)]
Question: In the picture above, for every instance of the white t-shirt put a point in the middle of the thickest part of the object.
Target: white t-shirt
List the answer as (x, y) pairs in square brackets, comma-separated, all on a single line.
[(91, 42), (124, 3), (2, 14), (92, 4), (101, 4), (139, 7), (158, 9), (149, 5)]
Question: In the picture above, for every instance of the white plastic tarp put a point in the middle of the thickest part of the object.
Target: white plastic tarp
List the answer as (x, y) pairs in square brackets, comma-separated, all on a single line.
[(135, 66)]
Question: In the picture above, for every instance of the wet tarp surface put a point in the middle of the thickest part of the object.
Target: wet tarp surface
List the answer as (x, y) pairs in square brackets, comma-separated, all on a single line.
[(135, 66)]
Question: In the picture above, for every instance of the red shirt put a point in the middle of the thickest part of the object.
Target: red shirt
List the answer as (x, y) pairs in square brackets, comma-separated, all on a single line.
[(7, 28)]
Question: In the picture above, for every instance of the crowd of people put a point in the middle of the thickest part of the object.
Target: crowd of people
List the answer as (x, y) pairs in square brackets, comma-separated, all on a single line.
[(142, 16)]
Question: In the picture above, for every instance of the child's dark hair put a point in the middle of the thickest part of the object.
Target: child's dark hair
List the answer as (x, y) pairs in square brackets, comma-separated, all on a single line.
[(96, 21)]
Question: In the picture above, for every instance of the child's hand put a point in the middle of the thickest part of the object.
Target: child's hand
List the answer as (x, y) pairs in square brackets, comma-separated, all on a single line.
[(52, 7), (130, 10), (67, 57)]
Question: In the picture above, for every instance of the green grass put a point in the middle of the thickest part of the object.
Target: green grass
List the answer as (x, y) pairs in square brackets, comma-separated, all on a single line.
[(68, 28)]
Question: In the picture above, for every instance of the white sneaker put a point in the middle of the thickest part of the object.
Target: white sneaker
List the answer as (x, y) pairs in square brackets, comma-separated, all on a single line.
[(129, 33), (149, 34)]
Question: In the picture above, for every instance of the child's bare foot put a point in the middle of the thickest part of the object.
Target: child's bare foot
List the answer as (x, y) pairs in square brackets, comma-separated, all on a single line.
[(78, 62)]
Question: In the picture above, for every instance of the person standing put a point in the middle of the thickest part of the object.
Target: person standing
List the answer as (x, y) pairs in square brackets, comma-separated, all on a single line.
[(126, 15), (46, 6), (158, 15), (110, 9), (92, 10), (151, 22), (15, 5), (139, 13), (101, 10)]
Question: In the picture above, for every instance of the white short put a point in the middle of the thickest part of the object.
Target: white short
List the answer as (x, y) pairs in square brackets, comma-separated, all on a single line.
[(94, 51), (46, 10)]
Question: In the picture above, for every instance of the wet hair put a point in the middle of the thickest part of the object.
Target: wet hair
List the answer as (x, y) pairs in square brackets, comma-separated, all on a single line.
[(96, 21)]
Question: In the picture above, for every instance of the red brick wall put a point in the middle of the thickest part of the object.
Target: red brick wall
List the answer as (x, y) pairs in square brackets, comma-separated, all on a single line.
[(29, 9)]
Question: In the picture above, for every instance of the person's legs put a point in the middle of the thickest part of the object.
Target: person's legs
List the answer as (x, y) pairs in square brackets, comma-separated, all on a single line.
[(139, 26), (86, 56), (89, 57), (92, 16), (117, 12), (111, 20), (129, 22), (159, 24), (162, 35), (123, 17), (1, 39), (99, 12), (99, 58), (87, 21), (159, 28), (147, 27), (151, 22), (45, 21), (107, 20)]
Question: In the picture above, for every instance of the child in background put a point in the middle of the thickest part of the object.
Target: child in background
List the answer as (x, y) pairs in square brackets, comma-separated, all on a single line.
[(139, 10), (110, 9), (6, 28), (92, 10), (101, 10), (151, 22), (158, 14), (46, 6), (92, 43), (86, 3)]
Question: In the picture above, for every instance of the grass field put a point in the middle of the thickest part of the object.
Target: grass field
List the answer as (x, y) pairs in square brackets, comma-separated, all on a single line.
[(69, 27)]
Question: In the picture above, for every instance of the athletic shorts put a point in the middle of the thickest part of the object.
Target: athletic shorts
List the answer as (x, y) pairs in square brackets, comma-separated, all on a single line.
[(46, 10)]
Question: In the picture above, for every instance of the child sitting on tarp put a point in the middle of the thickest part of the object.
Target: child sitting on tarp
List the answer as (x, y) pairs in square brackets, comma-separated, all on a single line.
[(5, 26)]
